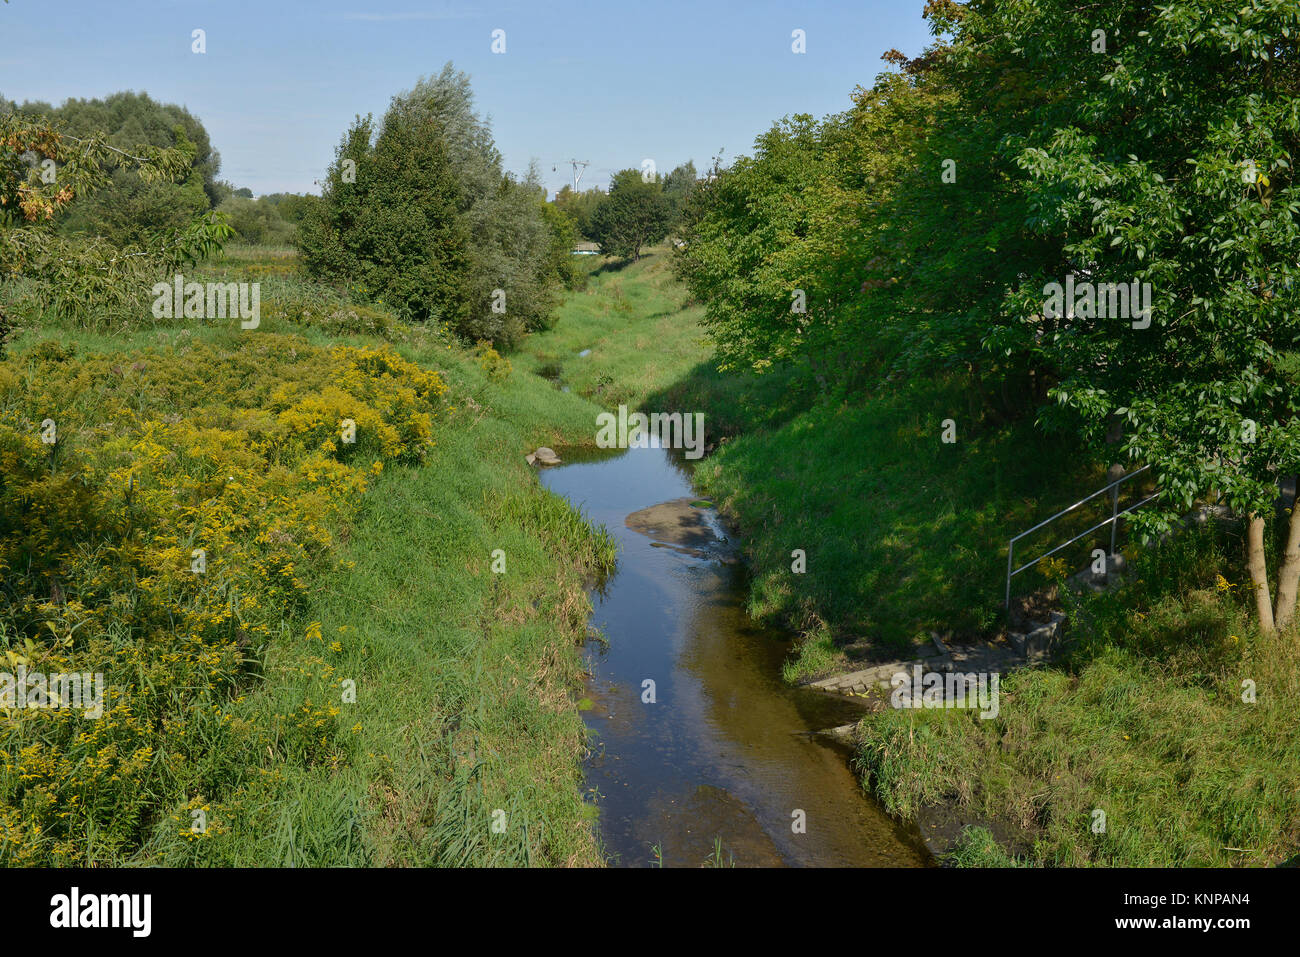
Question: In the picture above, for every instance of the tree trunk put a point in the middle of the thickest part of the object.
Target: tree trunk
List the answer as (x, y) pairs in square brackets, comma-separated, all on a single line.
[(1255, 564), (1288, 576)]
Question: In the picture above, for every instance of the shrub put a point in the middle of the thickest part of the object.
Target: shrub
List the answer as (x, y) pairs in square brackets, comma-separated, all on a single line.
[(238, 452), (492, 362)]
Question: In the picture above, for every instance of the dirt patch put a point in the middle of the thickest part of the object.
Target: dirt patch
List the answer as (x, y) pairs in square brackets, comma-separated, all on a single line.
[(942, 824)]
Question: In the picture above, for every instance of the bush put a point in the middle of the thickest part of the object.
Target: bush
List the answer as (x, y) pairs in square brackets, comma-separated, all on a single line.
[(496, 366), (238, 452), (319, 308), (257, 222), (418, 214)]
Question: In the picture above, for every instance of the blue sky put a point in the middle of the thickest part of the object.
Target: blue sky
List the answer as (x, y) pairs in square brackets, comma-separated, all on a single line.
[(609, 82)]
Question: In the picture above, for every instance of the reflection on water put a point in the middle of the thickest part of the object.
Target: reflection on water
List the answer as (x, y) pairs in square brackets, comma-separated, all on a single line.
[(727, 750)]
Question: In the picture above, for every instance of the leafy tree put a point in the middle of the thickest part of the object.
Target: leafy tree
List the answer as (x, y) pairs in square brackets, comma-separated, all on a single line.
[(256, 221), (781, 246), (1118, 143), (1171, 164), (292, 207), (85, 278), (1130, 146), (126, 209), (512, 252), (678, 186), (271, 219), (561, 266), (744, 232), (579, 207), (388, 222), (634, 214), (447, 234), (509, 241)]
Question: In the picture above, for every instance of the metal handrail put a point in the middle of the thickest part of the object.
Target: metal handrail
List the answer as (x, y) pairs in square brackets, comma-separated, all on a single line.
[(1113, 521)]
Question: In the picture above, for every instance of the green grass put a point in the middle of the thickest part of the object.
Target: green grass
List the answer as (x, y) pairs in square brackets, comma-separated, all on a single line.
[(635, 320), (473, 678), (976, 847), (902, 533), (467, 679), (1145, 722), (466, 711)]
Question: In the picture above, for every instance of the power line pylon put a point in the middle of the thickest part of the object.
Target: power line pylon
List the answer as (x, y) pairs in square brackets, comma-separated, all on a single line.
[(579, 167)]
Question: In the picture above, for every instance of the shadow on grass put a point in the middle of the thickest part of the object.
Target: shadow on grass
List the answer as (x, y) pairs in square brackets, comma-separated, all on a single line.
[(612, 265), (902, 532)]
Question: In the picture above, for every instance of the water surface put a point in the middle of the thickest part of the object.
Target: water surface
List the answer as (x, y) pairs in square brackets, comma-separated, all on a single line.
[(727, 751)]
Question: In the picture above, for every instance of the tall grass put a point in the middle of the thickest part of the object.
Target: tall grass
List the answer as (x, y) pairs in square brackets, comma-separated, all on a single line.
[(464, 742), (1149, 721)]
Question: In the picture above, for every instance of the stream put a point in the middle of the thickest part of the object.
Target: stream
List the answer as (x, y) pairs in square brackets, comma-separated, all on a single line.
[(727, 755)]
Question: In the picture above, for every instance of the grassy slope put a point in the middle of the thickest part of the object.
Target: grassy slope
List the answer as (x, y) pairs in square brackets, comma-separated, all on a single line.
[(466, 680), (635, 321), (902, 532), (468, 677), (1148, 722)]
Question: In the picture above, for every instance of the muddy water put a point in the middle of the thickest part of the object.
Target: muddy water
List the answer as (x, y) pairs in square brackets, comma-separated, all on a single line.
[(726, 751)]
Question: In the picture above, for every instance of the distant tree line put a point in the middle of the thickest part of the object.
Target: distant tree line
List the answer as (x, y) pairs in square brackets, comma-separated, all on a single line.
[(416, 211), (639, 209)]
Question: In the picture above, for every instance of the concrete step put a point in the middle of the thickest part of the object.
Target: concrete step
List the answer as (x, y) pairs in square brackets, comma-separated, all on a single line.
[(843, 733), (961, 659), (1042, 641), (877, 676)]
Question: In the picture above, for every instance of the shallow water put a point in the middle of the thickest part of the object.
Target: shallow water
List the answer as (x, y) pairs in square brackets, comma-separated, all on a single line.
[(727, 751)]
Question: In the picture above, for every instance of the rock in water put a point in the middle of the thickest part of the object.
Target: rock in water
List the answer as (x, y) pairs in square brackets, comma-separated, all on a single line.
[(677, 522)]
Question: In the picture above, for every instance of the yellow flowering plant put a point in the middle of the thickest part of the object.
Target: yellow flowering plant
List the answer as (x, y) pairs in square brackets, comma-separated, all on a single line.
[(165, 538)]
